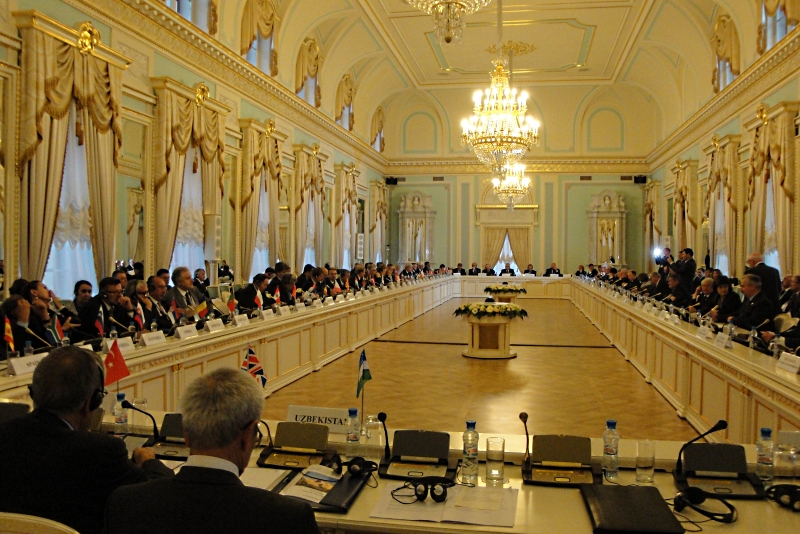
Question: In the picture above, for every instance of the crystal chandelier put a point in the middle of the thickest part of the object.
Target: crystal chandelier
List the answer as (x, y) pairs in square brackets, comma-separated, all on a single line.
[(447, 16), (511, 184)]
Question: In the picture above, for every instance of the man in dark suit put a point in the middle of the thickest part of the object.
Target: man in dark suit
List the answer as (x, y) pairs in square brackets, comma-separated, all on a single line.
[(770, 278), (247, 295), (553, 270), (50, 465), (115, 310), (187, 297), (685, 267), (592, 272), (152, 307), (304, 281), (786, 293), (507, 270), (756, 310), (793, 306), (706, 299), (273, 288), (488, 271), (581, 271), (460, 270), (220, 416), (678, 294), (474, 270)]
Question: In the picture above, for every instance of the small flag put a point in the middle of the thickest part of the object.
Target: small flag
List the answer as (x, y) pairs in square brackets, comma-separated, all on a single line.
[(173, 311), (9, 336), (364, 375), (232, 302), (116, 368), (55, 328), (202, 309), (138, 316), (258, 299), (98, 322), (253, 366), (294, 292), (346, 284)]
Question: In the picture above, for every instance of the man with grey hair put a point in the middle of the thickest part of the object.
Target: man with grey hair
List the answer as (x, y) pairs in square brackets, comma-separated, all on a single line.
[(50, 465), (220, 417), (770, 278), (185, 295), (756, 310)]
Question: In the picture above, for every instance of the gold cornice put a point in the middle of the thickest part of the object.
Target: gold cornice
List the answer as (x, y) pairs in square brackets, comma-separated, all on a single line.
[(36, 20), (762, 116), (505, 207), (566, 165), (164, 82)]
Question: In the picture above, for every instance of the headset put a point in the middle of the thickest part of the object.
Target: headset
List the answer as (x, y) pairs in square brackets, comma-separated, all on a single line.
[(357, 466), (693, 497), (435, 486), (787, 495)]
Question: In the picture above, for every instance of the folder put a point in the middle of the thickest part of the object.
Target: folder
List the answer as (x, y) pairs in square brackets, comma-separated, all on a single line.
[(635, 509), (559, 460), (297, 446), (339, 499)]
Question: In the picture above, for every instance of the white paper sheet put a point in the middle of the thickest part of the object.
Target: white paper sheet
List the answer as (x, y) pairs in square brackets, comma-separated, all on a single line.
[(263, 478)]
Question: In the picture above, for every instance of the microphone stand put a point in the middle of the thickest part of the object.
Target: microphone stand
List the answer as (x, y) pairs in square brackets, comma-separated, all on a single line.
[(526, 461), (127, 405), (386, 451), (721, 425)]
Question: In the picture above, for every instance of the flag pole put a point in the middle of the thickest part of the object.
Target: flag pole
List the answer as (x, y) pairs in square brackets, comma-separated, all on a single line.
[(363, 394)]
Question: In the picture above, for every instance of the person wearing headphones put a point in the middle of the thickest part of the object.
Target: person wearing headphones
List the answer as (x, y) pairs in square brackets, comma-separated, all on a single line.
[(50, 464), (110, 305), (221, 410)]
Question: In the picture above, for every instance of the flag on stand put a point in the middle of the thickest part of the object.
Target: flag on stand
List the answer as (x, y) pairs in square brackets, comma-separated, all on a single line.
[(138, 316), (257, 300), (253, 366), (364, 375), (116, 368), (9, 336), (55, 328), (98, 322), (173, 311), (202, 309), (232, 303)]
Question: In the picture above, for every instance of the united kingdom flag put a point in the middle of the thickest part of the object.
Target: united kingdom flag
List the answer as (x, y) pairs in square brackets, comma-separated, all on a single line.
[(253, 366)]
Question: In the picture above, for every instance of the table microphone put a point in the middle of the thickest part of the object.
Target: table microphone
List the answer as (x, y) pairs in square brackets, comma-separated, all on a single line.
[(526, 461), (128, 406), (386, 452), (721, 425)]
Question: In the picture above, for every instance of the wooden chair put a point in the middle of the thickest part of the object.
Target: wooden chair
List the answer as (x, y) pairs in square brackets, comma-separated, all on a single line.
[(29, 524)]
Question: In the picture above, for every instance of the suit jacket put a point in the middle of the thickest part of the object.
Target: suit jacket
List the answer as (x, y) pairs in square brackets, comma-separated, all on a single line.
[(581, 273), (530, 271), (752, 313), (462, 272), (304, 282), (550, 271), (681, 295), (52, 471), (728, 306), (88, 316), (508, 271), (489, 272), (163, 320), (247, 298), (593, 273), (177, 295), (704, 303), (687, 270), (204, 500), (474, 272), (770, 282)]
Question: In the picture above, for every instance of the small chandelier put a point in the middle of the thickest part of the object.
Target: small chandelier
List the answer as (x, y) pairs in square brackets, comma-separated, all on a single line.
[(511, 184), (447, 16), (499, 132)]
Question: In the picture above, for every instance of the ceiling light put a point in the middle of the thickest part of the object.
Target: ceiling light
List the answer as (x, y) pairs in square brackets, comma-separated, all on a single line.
[(447, 16)]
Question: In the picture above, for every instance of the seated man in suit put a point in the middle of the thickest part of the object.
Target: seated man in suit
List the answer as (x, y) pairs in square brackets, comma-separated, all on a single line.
[(592, 272), (488, 271), (530, 270), (507, 270), (553, 270), (678, 296), (281, 269), (705, 299), (791, 338), (201, 282), (220, 411), (756, 310), (50, 464), (187, 297), (460, 270), (115, 310), (474, 270), (252, 296), (333, 283), (152, 307), (650, 288)]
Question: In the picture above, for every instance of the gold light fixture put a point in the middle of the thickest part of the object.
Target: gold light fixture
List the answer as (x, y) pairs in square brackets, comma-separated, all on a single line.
[(448, 15), (511, 184)]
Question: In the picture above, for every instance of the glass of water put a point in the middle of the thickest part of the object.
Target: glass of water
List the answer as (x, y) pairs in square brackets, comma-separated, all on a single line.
[(495, 461), (139, 419), (645, 461)]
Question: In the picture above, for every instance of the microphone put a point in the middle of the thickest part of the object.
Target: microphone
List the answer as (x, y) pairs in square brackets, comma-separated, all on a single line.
[(386, 452), (224, 313), (124, 327), (721, 425), (526, 461), (128, 406), (31, 332)]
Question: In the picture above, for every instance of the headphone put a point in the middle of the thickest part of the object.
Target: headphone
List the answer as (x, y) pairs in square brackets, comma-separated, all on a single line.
[(357, 466), (104, 295), (99, 394), (693, 497), (436, 486), (787, 495)]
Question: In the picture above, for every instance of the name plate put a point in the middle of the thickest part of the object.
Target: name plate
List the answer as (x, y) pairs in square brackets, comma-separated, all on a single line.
[(334, 418), (363, 292), (664, 315), (787, 362), (27, 364), (185, 332), (705, 332), (153, 338), (240, 320), (505, 274), (481, 274), (125, 344), (316, 304), (267, 314), (723, 341), (456, 274), (215, 325), (554, 276), (355, 296), (301, 308), (281, 310)]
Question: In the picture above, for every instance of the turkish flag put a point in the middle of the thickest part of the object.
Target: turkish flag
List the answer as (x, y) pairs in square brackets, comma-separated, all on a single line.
[(116, 369)]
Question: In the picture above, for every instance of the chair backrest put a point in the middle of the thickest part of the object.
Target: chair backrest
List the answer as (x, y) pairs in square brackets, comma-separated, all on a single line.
[(213, 292), (29, 524), (11, 410), (784, 322)]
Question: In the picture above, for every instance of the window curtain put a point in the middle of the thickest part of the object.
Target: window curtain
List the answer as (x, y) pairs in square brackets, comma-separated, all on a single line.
[(345, 223), (275, 185), (770, 8), (259, 19), (54, 74), (507, 256), (255, 150), (308, 64), (652, 226), (378, 230), (492, 244), (261, 252), (188, 250), (771, 155), (344, 99), (726, 45), (310, 197), (185, 122), (723, 166), (685, 225), (519, 240), (376, 129)]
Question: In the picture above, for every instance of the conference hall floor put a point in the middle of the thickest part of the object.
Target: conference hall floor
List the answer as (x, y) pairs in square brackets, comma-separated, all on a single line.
[(567, 376)]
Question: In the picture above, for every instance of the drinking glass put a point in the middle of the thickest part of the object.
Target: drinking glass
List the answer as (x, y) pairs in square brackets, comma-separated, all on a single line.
[(645, 461), (495, 460)]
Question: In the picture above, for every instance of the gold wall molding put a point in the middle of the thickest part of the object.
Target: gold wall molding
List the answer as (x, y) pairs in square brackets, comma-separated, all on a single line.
[(465, 165)]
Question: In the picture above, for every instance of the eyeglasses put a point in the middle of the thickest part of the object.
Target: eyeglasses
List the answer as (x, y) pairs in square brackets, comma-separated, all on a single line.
[(141, 293)]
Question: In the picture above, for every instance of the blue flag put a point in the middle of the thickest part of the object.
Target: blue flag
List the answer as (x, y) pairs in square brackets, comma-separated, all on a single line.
[(364, 375)]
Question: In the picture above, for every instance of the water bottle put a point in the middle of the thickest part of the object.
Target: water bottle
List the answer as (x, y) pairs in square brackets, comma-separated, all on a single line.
[(28, 350), (776, 347), (120, 416), (786, 455), (610, 450), (353, 433), (765, 453), (730, 330), (112, 334), (469, 464), (154, 326), (753, 336)]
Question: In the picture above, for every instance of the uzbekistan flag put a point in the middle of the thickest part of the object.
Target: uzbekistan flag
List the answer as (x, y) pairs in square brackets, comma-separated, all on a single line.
[(98, 322), (9, 336), (253, 366), (364, 375), (55, 328)]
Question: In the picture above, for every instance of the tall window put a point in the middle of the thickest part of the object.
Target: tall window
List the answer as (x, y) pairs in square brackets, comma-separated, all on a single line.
[(261, 254), (378, 120), (260, 54), (774, 24), (307, 73), (203, 13), (727, 57), (771, 257), (189, 242), (344, 103), (718, 232), (347, 233), (258, 35), (506, 256), (310, 256)]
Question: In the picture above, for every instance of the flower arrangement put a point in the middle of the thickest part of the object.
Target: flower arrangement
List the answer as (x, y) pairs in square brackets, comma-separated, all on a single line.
[(504, 288), (491, 309)]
